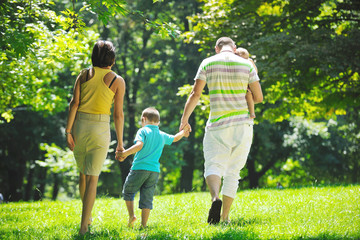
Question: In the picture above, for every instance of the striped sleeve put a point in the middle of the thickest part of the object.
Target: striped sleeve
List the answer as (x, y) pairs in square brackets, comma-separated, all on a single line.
[(201, 73), (253, 75)]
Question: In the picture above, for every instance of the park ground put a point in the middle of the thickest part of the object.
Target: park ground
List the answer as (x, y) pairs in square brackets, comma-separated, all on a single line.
[(330, 212)]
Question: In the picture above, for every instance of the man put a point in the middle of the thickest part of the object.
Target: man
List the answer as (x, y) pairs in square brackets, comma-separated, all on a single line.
[(229, 130)]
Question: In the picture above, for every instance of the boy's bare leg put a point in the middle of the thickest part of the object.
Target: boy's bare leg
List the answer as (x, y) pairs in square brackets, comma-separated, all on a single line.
[(82, 188), (227, 202), (132, 217), (251, 104), (145, 213), (88, 202)]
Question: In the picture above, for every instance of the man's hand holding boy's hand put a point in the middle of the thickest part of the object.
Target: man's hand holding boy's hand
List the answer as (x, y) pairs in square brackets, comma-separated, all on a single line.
[(187, 130)]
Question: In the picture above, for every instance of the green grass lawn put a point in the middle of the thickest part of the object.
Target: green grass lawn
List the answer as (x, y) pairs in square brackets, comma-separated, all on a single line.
[(306, 213)]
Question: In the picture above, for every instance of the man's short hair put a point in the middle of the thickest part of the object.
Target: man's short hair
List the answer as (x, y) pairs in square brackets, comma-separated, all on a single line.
[(224, 41), (151, 114)]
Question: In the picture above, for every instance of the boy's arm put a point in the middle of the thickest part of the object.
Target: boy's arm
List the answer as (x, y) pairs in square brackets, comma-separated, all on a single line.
[(134, 148), (131, 150), (179, 136)]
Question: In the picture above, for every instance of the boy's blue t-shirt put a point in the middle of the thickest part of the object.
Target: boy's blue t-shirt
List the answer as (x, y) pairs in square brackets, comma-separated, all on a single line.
[(154, 141)]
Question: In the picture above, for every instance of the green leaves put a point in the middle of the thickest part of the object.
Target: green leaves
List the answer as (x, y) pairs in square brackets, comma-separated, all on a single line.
[(72, 21), (204, 101), (7, 115), (60, 160), (30, 63), (39, 43), (303, 50), (164, 29), (106, 10)]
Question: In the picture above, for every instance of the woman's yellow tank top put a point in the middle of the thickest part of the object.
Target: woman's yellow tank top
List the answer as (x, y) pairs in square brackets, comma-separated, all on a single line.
[(95, 96)]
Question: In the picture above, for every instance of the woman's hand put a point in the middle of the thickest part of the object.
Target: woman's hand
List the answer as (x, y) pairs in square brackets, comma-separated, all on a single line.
[(70, 141), (121, 156), (120, 148)]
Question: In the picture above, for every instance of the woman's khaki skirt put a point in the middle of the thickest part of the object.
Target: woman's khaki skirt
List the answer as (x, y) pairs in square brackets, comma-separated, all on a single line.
[(92, 140)]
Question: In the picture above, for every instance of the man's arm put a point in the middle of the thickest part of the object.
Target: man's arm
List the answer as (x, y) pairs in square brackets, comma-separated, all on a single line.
[(192, 102), (256, 91)]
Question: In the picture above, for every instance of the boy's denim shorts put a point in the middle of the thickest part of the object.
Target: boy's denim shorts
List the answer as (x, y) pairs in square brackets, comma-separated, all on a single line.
[(143, 181)]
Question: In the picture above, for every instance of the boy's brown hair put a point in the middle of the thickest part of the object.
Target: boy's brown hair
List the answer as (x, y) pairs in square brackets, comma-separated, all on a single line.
[(151, 114)]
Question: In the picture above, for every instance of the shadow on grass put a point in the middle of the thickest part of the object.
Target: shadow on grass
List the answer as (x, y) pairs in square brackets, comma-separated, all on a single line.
[(242, 222), (140, 234), (228, 233), (159, 234), (104, 234), (225, 231), (247, 234), (326, 236), (235, 234)]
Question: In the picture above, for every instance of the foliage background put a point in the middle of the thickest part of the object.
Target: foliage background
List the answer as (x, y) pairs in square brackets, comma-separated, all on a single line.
[(306, 130)]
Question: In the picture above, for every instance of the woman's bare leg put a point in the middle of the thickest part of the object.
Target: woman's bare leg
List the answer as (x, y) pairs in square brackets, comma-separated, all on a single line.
[(88, 201), (82, 187)]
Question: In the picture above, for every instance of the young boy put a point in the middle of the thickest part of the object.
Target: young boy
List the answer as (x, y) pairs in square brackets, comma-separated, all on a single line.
[(242, 52), (144, 174)]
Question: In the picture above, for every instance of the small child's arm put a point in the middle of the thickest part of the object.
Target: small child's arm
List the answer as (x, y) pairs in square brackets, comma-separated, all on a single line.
[(183, 133), (252, 61), (121, 156)]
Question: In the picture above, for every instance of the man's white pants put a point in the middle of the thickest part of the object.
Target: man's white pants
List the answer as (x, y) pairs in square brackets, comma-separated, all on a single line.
[(226, 151)]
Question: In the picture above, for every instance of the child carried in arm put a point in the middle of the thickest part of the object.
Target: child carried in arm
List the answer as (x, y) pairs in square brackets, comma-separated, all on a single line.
[(242, 52), (148, 146)]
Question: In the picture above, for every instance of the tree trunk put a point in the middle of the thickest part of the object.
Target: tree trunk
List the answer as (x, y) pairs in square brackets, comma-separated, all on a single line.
[(355, 173), (15, 181), (56, 186), (40, 184), (187, 170), (29, 185), (252, 174)]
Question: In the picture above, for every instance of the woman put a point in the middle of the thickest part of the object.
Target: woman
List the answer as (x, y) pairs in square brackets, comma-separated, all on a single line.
[(88, 125)]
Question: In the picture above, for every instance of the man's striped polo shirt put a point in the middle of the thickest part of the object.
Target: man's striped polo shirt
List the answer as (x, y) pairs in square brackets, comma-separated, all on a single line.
[(227, 76)]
